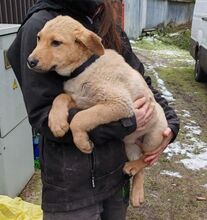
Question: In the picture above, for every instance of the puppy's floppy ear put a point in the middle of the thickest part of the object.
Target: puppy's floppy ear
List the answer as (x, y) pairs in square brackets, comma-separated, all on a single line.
[(90, 40)]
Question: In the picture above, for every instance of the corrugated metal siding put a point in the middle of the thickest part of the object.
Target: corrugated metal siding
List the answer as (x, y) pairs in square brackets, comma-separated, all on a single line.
[(141, 14), (163, 11), (14, 11), (133, 17), (179, 12), (157, 11)]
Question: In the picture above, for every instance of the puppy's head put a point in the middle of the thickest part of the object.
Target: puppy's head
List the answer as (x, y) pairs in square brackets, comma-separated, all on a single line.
[(63, 45)]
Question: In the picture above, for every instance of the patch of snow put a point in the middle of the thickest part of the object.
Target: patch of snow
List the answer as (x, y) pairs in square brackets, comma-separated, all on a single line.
[(193, 160), (153, 195), (174, 34), (194, 150), (205, 186), (175, 148), (175, 54), (170, 173), (187, 61), (134, 48), (190, 62), (150, 39), (193, 129), (132, 41), (171, 53), (196, 162), (150, 67), (165, 93), (186, 113)]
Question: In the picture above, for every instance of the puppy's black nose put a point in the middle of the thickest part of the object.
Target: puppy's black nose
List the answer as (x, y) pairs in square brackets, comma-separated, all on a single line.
[(32, 62)]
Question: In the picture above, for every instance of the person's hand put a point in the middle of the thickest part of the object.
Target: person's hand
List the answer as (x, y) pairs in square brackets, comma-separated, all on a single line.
[(143, 112), (153, 156)]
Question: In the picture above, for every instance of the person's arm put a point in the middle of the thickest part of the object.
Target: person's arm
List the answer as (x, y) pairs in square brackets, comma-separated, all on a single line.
[(171, 132), (40, 89), (133, 61)]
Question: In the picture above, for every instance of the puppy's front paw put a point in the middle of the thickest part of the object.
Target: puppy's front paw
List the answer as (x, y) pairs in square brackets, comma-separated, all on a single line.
[(82, 142), (58, 124), (86, 146)]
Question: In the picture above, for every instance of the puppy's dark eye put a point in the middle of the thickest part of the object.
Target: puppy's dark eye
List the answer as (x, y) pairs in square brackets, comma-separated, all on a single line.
[(56, 43), (38, 38)]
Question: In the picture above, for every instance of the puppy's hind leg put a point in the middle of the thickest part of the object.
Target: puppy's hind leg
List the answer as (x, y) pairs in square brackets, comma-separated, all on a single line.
[(137, 192), (135, 168), (150, 142), (136, 159), (134, 153)]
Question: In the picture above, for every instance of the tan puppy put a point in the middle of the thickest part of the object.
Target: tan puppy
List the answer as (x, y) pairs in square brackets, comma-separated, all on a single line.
[(105, 91)]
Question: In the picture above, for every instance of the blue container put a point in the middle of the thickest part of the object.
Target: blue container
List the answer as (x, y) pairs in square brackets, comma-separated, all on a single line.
[(36, 146)]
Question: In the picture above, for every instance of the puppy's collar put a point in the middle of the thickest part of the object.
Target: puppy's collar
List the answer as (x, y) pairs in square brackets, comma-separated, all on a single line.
[(81, 68)]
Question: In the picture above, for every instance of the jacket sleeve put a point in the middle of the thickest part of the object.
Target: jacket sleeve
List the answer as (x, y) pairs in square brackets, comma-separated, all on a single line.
[(133, 61), (117, 130), (39, 90)]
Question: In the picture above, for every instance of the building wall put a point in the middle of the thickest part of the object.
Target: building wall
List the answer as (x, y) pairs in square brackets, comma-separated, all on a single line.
[(14, 11), (157, 12), (180, 12), (141, 14), (162, 11), (135, 17)]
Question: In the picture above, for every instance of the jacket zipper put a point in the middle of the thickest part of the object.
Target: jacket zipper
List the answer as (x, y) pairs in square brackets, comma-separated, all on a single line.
[(92, 157)]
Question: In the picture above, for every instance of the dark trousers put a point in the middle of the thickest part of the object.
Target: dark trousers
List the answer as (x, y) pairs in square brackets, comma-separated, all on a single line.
[(113, 208)]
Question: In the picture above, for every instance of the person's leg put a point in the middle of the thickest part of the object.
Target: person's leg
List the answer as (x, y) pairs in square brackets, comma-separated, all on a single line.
[(88, 213), (115, 207)]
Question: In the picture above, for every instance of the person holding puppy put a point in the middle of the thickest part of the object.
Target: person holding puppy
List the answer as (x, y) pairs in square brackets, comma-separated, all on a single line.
[(77, 185)]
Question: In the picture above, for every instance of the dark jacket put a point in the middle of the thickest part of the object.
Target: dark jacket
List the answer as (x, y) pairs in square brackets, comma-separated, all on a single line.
[(71, 179)]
